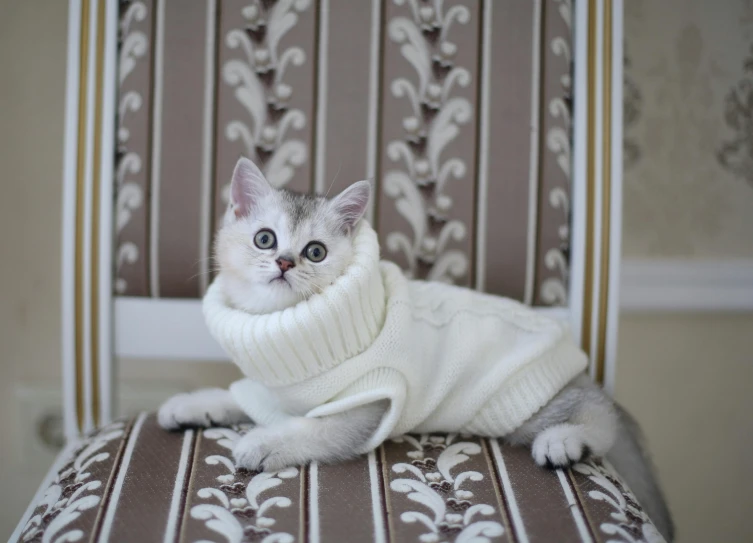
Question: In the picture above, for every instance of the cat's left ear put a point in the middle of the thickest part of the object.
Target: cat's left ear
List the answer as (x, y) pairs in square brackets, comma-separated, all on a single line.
[(351, 204), (247, 187)]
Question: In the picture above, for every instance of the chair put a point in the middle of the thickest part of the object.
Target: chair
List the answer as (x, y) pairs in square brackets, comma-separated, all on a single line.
[(492, 130)]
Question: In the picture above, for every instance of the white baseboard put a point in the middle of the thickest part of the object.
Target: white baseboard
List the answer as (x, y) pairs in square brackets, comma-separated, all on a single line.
[(655, 285)]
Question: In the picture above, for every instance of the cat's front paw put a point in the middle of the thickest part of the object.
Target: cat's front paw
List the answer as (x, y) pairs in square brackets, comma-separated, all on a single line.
[(203, 408), (560, 446), (271, 449), (175, 412)]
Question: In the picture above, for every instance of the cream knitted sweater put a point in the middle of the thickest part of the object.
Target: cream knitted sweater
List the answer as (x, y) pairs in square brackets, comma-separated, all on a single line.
[(447, 358)]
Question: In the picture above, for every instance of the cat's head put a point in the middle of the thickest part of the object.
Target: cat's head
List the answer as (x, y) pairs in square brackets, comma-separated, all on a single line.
[(276, 247)]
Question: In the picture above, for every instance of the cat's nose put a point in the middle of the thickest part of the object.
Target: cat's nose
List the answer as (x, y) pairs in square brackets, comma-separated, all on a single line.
[(285, 264)]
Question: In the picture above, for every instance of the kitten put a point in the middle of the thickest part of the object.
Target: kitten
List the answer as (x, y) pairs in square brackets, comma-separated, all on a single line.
[(297, 227), (300, 245)]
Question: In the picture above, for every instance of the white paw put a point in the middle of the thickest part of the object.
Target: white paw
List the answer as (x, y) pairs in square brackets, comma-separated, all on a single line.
[(175, 412), (202, 408), (261, 449), (560, 446), (272, 448)]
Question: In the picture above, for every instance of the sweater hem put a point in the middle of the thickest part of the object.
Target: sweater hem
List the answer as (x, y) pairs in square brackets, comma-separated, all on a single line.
[(527, 391)]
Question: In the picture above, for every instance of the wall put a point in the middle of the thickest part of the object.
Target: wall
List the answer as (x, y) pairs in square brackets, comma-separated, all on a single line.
[(688, 194), (686, 377), (31, 97), (688, 185)]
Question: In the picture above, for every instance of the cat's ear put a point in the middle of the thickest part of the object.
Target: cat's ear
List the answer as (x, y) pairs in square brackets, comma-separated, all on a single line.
[(247, 187), (351, 204)]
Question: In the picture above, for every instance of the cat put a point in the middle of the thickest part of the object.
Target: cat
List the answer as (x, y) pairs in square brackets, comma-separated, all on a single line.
[(276, 249)]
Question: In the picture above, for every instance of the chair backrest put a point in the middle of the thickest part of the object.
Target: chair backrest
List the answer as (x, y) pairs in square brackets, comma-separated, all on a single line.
[(491, 131)]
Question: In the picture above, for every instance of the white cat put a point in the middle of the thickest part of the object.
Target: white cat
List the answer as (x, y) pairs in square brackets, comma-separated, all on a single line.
[(276, 249)]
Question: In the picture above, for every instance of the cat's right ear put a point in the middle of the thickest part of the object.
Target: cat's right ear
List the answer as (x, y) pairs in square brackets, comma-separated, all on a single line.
[(350, 205), (247, 187)]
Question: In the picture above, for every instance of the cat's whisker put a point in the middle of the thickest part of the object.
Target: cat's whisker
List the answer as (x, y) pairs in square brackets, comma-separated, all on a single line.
[(201, 273), (333, 180), (203, 261)]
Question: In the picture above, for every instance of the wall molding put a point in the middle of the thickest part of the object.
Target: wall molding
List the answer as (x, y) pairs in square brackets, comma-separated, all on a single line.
[(668, 285)]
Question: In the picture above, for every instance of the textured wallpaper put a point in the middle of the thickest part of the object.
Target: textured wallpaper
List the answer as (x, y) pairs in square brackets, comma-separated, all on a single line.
[(688, 185)]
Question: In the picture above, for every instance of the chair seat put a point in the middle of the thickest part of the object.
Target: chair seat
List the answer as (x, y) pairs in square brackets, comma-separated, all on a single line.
[(133, 481)]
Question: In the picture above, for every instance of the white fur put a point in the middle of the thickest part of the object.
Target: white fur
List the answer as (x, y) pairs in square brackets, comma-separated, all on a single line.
[(560, 445), (300, 440), (579, 420), (205, 407)]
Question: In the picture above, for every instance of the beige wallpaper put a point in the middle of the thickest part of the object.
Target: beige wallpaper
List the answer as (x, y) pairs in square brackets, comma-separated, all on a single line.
[(688, 185)]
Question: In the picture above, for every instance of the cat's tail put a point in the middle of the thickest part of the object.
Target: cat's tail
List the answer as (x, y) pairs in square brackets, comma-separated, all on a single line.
[(630, 458)]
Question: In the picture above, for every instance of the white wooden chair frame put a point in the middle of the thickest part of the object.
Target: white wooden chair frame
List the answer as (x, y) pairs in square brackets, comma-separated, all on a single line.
[(99, 328)]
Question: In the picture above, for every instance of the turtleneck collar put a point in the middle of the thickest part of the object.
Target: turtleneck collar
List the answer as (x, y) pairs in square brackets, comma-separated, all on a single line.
[(300, 342)]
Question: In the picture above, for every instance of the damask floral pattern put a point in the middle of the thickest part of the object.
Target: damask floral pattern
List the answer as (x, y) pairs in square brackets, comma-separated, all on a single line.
[(260, 87), (736, 154), (78, 486), (628, 522), (553, 289), (419, 189), (434, 479), (239, 507), (129, 195), (690, 193), (429, 487), (632, 104), (270, 76)]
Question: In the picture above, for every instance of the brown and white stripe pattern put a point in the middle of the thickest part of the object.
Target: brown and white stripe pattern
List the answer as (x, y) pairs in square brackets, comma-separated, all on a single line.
[(458, 110), (136, 482), (131, 166)]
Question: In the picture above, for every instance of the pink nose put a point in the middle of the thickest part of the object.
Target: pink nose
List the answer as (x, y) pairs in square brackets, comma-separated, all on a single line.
[(285, 264)]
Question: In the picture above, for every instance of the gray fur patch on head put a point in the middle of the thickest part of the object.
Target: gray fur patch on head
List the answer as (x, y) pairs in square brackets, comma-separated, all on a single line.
[(300, 207)]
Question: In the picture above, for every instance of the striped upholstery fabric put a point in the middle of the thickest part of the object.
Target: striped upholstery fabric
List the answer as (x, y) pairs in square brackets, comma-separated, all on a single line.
[(460, 111), (132, 481)]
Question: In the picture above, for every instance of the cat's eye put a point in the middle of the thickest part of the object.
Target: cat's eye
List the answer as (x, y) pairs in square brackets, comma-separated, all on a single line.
[(265, 239), (315, 251)]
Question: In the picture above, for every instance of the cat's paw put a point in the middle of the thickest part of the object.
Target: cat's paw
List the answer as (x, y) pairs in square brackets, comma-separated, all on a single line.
[(175, 412), (271, 448), (201, 408), (560, 446)]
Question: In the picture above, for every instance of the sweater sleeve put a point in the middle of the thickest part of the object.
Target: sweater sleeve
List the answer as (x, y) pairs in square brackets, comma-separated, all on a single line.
[(380, 384)]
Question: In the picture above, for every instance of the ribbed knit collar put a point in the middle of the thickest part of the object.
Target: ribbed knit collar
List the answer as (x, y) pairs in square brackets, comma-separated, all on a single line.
[(300, 342)]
